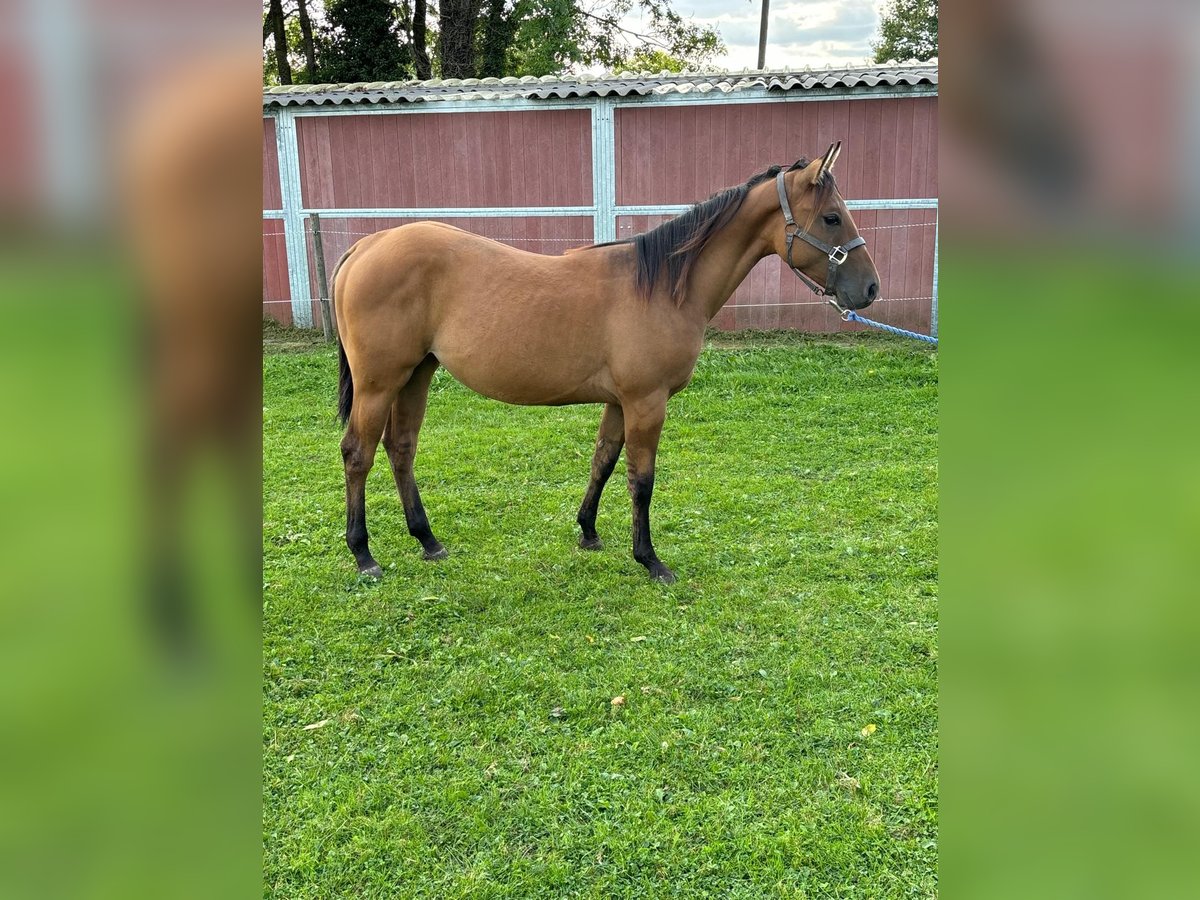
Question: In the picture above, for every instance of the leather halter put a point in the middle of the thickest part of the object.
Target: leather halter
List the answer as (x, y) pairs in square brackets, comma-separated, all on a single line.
[(837, 255)]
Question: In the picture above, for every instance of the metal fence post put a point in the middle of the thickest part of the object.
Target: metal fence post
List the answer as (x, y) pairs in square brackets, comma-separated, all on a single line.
[(293, 217), (322, 283), (933, 316), (604, 171)]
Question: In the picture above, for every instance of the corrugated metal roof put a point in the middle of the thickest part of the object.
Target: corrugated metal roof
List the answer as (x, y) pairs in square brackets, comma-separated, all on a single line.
[(623, 85)]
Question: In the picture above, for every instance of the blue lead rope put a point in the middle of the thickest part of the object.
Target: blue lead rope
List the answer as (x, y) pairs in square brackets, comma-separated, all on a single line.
[(851, 316)]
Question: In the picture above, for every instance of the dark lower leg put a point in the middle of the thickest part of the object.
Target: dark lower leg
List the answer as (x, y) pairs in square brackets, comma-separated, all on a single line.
[(367, 420), (400, 440), (641, 490), (357, 460), (609, 441), (644, 421), (401, 459)]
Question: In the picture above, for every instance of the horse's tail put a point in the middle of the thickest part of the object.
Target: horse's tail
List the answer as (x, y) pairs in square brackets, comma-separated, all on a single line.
[(345, 385), (345, 378)]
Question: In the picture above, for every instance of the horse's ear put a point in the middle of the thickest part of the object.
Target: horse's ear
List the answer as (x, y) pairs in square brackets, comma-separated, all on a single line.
[(828, 160)]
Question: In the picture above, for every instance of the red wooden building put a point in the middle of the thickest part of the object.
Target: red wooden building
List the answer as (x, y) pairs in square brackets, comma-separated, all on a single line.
[(548, 164)]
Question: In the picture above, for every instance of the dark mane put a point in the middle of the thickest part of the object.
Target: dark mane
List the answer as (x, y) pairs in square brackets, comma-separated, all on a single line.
[(672, 248)]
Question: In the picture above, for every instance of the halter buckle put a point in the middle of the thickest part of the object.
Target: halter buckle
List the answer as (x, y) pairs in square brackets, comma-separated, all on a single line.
[(838, 255)]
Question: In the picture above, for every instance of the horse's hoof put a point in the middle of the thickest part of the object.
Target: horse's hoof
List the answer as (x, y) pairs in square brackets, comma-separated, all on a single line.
[(591, 543), (439, 552), (662, 574), (371, 571)]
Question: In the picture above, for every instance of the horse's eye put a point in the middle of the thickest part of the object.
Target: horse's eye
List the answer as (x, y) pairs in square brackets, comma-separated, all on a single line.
[(833, 220)]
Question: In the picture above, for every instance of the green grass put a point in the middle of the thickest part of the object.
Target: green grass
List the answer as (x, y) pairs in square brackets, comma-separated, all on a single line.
[(472, 748)]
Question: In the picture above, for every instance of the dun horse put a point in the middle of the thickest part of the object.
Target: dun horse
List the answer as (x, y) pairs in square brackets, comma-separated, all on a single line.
[(620, 324)]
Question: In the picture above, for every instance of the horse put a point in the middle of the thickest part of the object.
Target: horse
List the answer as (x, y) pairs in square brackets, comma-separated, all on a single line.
[(620, 323)]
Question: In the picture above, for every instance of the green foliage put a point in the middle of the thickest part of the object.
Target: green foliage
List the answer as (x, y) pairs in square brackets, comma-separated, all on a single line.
[(370, 40), (556, 36), (470, 746), (653, 60), (908, 30), (362, 41)]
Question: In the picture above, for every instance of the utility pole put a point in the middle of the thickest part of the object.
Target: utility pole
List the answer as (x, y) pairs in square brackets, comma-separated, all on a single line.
[(762, 36)]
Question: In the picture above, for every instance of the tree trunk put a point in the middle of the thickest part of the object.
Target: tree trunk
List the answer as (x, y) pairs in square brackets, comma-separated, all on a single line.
[(456, 37), (275, 15), (498, 33), (420, 51), (310, 48)]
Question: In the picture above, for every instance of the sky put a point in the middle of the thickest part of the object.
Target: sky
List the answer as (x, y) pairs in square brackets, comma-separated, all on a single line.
[(801, 33)]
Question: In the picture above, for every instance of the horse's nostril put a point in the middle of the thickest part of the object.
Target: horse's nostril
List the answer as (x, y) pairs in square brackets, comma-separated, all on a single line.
[(872, 292)]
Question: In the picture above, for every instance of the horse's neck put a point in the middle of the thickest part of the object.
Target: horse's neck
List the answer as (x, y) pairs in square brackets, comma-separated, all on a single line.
[(730, 255)]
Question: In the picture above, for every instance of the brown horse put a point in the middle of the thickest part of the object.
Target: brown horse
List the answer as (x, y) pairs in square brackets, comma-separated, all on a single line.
[(620, 324)]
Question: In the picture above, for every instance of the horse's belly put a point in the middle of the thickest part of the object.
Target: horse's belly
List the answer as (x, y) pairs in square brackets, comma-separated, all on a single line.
[(528, 379)]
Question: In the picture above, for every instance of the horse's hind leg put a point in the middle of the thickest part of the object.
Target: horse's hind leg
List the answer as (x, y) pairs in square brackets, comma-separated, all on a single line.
[(609, 441), (367, 418), (400, 440)]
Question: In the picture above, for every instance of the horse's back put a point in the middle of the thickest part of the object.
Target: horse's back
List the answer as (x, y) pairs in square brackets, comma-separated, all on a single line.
[(518, 326)]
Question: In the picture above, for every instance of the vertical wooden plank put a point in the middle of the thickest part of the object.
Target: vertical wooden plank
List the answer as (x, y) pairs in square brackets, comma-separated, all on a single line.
[(423, 143), (272, 194), (639, 146), (931, 184), (308, 158), (354, 192), (478, 187), (778, 150), (687, 155), (873, 160), (889, 131), (337, 161), (515, 130), (487, 161), (379, 163), (677, 155), (826, 127), (903, 160), (919, 180), (585, 173), (850, 165), (555, 156), (718, 145), (405, 137)]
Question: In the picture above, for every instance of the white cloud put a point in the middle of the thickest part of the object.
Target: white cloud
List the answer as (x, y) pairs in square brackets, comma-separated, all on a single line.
[(800, 33)]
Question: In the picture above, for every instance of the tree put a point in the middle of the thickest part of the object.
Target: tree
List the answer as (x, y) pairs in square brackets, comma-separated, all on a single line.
[(558, 35), (306, 40), (275, 25), (392, 40), (420, 41), (457, 21), (908, 30), (362, 41)]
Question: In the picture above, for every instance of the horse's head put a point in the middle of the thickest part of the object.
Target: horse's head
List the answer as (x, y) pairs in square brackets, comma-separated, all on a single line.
[(818, 238)]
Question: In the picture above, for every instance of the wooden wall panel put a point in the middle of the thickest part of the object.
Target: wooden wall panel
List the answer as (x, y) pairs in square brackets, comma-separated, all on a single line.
[(275, 273), (681, 154), (664, 155), (272, 197), (446, 160)]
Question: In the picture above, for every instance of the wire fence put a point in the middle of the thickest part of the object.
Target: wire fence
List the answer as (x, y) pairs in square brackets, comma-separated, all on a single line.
[(316, 230)]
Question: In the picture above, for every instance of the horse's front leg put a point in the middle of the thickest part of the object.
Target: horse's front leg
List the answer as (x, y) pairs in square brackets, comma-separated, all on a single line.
[(643, 425), (609, 441)]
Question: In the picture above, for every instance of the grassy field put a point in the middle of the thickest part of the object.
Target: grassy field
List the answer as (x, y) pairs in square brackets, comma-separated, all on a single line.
[(453, 730)]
